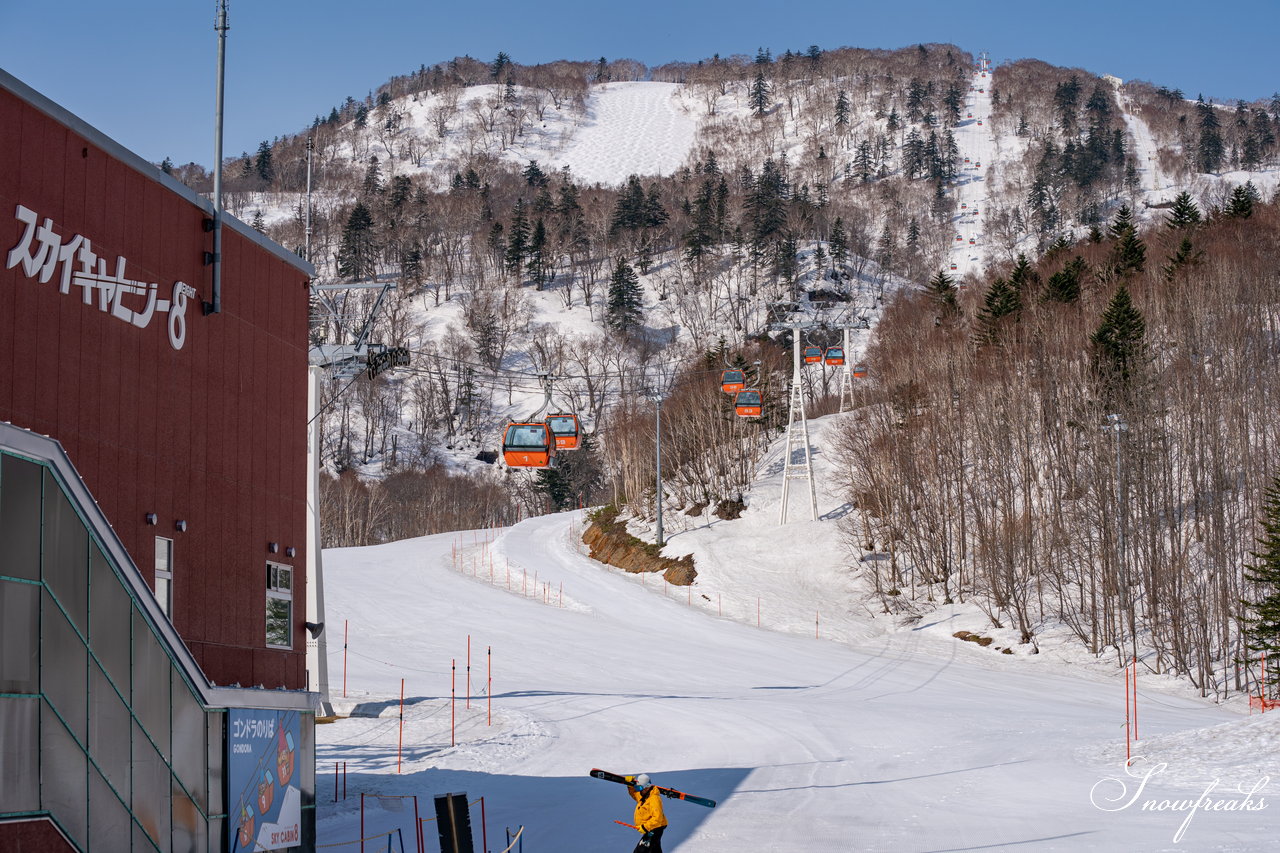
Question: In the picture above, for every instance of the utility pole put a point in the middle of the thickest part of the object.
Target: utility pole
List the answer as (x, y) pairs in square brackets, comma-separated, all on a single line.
[(220, 26), (311, 144), (657, 409)]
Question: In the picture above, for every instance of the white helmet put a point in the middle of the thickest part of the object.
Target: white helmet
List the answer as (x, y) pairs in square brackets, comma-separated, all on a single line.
[(642, 781)]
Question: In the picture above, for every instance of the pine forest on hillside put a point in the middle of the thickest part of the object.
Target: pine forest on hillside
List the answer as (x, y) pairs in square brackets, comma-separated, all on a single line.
[(1074, 432)]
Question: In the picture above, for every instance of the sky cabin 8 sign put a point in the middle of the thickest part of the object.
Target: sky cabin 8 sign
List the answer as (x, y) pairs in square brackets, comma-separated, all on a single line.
[(41, 251)]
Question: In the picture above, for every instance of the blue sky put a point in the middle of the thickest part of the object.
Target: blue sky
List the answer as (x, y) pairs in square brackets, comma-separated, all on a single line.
[(142, 71)]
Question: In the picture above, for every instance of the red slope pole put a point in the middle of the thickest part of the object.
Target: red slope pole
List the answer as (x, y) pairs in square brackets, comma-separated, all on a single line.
[(489, 688), (344, 658), (453, 701)]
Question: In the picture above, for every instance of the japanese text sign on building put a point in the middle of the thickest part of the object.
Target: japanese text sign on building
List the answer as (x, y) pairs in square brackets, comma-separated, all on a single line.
[(41, 250)]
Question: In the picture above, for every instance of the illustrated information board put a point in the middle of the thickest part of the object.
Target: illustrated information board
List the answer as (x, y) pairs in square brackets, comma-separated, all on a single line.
[(265, 803)]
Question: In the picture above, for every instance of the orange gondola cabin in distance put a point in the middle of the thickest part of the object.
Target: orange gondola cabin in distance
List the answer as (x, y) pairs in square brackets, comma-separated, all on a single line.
[(565, 429), (860, 370), (747, 404), (528, 445), (732, 381), (834, 356), (812, 355)]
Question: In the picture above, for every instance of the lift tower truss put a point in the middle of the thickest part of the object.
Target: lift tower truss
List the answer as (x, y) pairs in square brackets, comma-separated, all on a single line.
[(797, 438)]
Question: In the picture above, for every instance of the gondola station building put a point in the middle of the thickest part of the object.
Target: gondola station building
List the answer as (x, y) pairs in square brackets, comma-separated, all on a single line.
[(153, 508)]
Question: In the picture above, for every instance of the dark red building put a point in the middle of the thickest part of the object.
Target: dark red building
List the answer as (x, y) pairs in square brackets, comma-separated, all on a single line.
[(188, 430)]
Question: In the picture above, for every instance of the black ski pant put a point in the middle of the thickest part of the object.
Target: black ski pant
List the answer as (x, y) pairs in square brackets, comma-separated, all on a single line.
[(651, 843)]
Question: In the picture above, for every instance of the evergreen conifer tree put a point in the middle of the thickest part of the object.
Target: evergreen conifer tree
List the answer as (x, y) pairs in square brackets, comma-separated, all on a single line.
[(372, 184), (1260, 623), (499, 65), (357, 251), (842, 108), (1184, 213), (1123, 221), (1024, 276), (862, 163), (540, 271), (1209, 151), (1185, 255), (838, 243), (623, 309), (534, 176), (758, 97), (1240, 205), (1001, 301), (1129, 254), (943, 290), (517, 240), (1119, 347), (1064, 285)]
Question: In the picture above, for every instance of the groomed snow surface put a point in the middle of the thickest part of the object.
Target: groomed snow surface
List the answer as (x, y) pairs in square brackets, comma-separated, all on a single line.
[(871, 735)]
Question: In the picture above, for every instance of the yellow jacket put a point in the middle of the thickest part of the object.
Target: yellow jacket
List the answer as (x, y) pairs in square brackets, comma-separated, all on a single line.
[(649, 814)]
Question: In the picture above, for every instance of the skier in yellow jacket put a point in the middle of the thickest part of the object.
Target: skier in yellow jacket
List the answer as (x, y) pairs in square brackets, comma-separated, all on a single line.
[(650, 820)]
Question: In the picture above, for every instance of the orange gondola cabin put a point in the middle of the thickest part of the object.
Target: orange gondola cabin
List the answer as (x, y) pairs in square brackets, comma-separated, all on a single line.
[(747, 404), (565, 429), (732, 381), (812, 355), (834, 356), (528, 445), (860, 370)]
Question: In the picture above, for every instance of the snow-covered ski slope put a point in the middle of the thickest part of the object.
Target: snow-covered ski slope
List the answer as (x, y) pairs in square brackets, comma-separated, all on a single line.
[(870, 736), (630, 129), (977, 146)]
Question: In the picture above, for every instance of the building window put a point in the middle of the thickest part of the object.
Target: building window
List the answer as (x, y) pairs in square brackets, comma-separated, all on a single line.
[(279, 606), (164, 575)]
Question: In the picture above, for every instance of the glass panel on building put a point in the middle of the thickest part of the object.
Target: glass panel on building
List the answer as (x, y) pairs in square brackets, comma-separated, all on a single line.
[(20, 517), (63, 784), (150, 684), (189, 751), (66, 554), (110, 617), (19, 760), (151, 783), (63, 657), (109, 728), (19, 647), (108, 818)]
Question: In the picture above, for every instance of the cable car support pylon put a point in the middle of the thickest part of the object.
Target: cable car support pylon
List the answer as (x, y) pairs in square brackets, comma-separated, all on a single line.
[(797, 438)]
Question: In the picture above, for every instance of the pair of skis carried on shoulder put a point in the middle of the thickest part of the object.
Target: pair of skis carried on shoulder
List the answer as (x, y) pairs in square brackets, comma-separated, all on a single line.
[(669, 793)]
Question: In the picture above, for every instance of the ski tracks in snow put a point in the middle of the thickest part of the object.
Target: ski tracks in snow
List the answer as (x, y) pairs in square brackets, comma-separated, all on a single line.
[(630, 129)]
